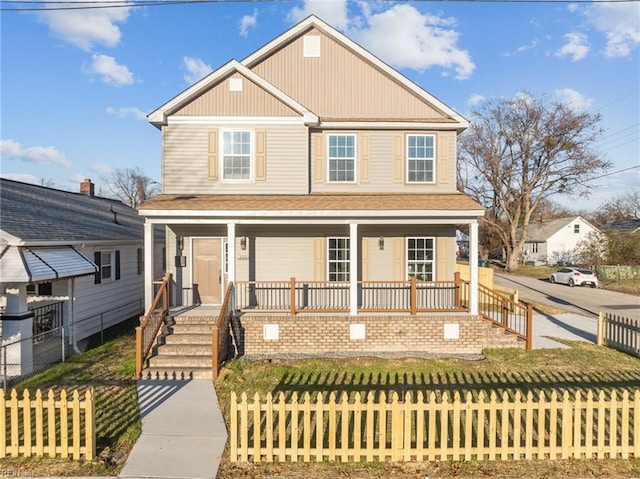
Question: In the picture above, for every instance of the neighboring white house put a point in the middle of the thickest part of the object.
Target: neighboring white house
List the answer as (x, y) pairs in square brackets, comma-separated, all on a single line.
[(555, 241), (66, 259)]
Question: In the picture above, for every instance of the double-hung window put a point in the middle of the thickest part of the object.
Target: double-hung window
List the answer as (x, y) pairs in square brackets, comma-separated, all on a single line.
[(421, 154), (342, 158), (338, 259), (420, 258), (106, 265), (236, 155)]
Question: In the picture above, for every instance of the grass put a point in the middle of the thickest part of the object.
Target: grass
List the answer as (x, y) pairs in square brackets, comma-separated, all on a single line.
[(583, 366), (109, 369)]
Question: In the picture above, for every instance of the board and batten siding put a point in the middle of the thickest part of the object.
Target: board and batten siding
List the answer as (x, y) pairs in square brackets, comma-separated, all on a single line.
[(187, 159), (252, 101), (353, 82), (381, 163), (110, 301)]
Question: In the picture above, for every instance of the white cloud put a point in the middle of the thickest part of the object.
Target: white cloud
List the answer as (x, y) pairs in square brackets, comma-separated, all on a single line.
[(248, 21), (109, 70), (577, 46), (125, 111), (195, 69), (42, 155), (23, 177), (85, 28), (620, 22), (574, 99), (406, 38), (475, 99), (572, 7), (101, 169), (334, 12)]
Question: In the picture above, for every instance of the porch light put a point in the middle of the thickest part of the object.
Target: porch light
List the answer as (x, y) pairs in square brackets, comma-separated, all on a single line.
[(243, 243), (381, 243)]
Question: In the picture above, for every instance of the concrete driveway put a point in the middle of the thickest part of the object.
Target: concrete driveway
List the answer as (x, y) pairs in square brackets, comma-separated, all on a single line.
[(583, 300)]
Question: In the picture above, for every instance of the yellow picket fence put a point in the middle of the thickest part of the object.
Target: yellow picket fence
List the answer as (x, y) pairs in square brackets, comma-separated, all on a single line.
[(435, 427), (35, 426)]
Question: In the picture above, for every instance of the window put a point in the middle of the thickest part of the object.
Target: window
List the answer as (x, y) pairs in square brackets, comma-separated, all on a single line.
[(108, 263), (342, 157), (106, 267), (420, 158), (338, 259), (236, 155), (576, 228), (420, 254), (40, 289)]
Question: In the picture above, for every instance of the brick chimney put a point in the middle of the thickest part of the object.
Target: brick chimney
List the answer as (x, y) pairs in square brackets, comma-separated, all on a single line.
[(86, 187)]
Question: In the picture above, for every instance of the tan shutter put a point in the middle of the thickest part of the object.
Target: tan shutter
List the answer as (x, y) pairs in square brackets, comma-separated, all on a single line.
[(319, 259), (213, 155), (364, 158), (261, 155), (442, 259), (398, 255), (318, 158), (365, 258), (398, 158), (443, 153)]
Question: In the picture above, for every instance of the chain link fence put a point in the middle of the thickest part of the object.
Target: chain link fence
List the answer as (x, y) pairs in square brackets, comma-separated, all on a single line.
[(51, 341)]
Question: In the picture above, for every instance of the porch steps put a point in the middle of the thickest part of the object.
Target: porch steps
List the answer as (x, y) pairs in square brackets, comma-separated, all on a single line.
[(183, 350), (498, 338)]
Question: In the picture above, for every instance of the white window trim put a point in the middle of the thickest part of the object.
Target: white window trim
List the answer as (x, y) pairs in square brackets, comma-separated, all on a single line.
[(112, 264), (252, 155), (406, 252), (355, 159), (329, 261), (406, 158)]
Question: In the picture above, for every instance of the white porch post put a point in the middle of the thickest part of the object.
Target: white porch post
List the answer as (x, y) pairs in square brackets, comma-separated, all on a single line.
[(473, 268), (231, 251), (148, 265), (17, 330), (353, 269)]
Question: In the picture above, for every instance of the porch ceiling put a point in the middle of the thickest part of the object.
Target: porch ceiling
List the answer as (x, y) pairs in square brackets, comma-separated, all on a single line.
[(452, 205)]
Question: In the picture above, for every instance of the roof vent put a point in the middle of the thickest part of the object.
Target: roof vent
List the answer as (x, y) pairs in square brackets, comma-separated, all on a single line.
[(311, 46)]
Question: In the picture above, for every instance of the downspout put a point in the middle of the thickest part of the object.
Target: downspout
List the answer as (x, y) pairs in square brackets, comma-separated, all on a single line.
[(72, 307)]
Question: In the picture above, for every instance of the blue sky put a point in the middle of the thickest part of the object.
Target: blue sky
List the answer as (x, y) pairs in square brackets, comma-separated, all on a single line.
[(77, 84)]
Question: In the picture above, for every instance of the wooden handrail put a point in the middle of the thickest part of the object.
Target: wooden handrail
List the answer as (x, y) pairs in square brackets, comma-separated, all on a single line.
[(225, 313), (143, 347)]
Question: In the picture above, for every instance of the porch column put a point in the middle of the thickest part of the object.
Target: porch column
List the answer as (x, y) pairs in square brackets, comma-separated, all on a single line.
[(17, 331), (148, 265), (353, 269), (473, 268), (231, 252)]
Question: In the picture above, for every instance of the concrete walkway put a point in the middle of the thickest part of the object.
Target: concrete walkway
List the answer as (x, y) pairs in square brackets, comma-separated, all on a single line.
[(183, 431), (571, 326)]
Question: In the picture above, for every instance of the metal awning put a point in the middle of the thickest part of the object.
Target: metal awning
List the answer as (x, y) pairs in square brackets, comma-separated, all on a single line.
[(30, 264)]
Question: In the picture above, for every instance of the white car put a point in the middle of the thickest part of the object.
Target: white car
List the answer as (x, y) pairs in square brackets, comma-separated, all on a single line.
[(575, 277)]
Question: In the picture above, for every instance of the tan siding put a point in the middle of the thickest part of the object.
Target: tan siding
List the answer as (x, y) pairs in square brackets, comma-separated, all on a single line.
[(386, 164), (186, 163), (279, 259), (355, 84), (253, 100), (366, 244)]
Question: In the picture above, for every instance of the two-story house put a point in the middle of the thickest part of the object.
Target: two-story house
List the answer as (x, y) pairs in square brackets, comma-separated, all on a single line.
[(315, 178)]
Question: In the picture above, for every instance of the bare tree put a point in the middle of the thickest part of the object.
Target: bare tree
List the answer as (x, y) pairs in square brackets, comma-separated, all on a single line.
[(131, 186), (519, 152), (625, 206)]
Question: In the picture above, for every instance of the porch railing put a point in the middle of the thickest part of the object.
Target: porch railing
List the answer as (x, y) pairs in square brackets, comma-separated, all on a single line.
[(410, 296), (47, 317), (151, 323), (220, 332)]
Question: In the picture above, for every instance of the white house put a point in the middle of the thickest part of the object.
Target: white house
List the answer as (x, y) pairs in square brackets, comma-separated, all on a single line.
[(555, 241), (71, 260)]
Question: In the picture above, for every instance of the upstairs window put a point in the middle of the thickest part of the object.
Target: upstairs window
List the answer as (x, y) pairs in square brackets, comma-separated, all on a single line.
[(338, 259), (420, 258), (342, 158), (576, 228), (236, 155), (421, 155)]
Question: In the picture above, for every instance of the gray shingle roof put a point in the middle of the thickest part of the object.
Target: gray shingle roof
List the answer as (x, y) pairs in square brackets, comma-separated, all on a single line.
[(39, 214)]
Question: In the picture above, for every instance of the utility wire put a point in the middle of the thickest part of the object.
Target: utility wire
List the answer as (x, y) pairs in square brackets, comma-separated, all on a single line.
[(47, 5)]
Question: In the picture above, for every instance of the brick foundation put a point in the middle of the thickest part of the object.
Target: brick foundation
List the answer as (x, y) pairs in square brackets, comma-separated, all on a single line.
[(317, 334)]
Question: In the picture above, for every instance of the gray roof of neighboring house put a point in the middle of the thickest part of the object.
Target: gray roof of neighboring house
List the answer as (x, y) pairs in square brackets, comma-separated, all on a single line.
[(541, 231), (624, 226), (37, 214)]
